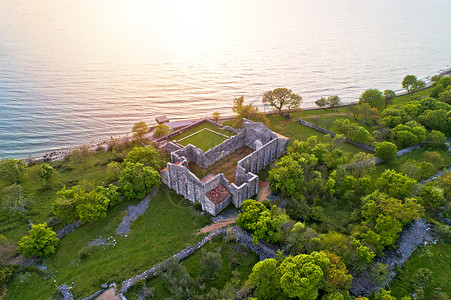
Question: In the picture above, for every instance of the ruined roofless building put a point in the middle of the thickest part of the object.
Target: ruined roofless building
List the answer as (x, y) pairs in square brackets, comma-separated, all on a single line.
[(215, 193)]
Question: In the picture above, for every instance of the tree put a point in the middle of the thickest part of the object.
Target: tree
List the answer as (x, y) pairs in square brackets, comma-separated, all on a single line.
[(139, 130), (288, 177), (321, 102), (40, 241), (137, 180), (388, 96), (12, 170), (418, 85), (265, 278), (361, 163), (210, 263), (281, 98), (333, 101), (436, 138), (408, 82), (435, 158), (247, 111), (14, 200), (373, 97), (216, 115), (263, 223), (43, 174), (432, 196), (396, 184), (161, 130), (386, 151), (148, 156), (91, 206), (81, 155), (302, 275), (113, 171)]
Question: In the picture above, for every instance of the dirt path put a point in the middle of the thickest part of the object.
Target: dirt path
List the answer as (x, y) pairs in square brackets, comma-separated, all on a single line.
[(215, 226), (263, 192)]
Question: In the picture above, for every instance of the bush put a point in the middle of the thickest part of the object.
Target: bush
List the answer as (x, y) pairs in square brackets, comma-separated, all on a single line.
[(386, 151), (432, 196), (209, 264), (443, 232), (421, 277), (7, 273), (40, 241)]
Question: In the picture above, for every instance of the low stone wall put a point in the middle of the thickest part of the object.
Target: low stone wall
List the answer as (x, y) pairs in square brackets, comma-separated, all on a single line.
[(127, 284), (333, 134), (415, 234), (68, 229), (407, 150)]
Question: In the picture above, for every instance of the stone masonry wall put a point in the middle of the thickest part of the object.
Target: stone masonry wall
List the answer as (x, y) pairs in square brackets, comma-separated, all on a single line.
[(268, 147)]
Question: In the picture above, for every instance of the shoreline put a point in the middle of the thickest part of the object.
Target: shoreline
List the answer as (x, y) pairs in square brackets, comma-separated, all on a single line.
[(104, 143)]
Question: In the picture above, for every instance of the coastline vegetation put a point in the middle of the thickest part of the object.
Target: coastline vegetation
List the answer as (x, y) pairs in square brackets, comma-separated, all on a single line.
[(340, 212)]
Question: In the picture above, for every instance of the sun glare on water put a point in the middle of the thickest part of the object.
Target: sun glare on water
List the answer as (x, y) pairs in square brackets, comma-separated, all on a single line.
[(180, 25)]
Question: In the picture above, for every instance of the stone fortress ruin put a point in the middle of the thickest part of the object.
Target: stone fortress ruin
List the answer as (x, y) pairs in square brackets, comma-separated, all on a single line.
[(215, 192)]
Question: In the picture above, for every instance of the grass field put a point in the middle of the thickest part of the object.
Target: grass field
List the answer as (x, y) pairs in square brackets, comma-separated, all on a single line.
[(433, 257), (327, 121), (202, 126), (70, 173), (166, 227), (406, 98), (234, 257), (203, 139), (291, 129)]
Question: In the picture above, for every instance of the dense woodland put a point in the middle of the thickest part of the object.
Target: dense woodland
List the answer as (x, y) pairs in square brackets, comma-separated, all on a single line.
[(336, 213)]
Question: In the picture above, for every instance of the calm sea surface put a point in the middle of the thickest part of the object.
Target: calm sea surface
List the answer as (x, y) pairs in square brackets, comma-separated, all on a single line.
[(76, 71)]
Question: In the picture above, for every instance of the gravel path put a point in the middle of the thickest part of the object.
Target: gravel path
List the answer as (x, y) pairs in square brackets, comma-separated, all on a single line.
[(133, 212), (415, 234)]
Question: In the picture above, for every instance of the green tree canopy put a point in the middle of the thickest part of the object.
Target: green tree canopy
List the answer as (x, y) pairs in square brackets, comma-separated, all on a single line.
[(282, 98), (12, 170), (373, 97), (44, 174), (265, 278), (396, 184), (137, 180), (386, 151), (388, 96), (40, 241), (408, 82), (148, 156)]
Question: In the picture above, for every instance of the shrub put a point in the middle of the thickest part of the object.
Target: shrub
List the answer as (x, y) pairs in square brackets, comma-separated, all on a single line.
[(7, 273), (444, 232), (40, 241), (386, 151), (209, 264)]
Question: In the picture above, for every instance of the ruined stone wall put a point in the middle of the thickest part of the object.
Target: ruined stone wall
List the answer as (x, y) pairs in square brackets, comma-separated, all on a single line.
[(255, 135), (185, 183), (232, 129), (171, 147), (222, 150), (263, 156)]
